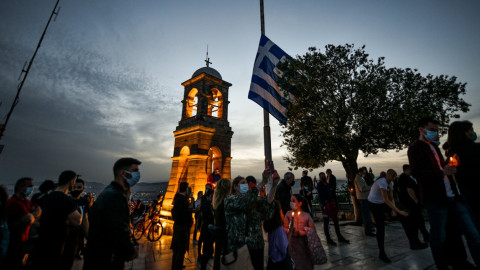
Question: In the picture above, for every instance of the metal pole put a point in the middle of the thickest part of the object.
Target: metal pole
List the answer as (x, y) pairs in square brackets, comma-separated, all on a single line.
[(266, 116), (26, 71)]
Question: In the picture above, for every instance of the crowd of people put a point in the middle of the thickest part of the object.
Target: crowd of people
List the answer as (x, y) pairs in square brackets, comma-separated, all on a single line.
[(230, 216), (49, 231)]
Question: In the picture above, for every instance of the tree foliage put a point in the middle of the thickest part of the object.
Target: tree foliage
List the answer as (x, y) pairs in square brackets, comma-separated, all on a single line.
[(345, 102)]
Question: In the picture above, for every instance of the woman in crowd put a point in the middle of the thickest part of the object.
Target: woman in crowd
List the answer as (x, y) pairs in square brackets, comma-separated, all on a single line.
[(222, 190), (263, 208), (295, 223), (381, 202), (461, 142), (237, 205), (278, 257)]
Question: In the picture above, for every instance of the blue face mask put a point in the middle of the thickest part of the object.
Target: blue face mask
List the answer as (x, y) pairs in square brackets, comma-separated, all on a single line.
[(473, 137), (243, 188), (134, 178), (431, 135), (28, 191)]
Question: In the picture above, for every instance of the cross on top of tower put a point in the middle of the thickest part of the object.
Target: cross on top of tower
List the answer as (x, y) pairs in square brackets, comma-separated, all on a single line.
[(207, 60)]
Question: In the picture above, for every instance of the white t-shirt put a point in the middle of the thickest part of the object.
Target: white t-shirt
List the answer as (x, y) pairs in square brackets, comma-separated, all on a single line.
[(446, 182), (375, 195)]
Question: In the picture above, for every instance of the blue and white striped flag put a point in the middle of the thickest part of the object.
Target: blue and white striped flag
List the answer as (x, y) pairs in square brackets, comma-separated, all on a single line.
[(264, 89)]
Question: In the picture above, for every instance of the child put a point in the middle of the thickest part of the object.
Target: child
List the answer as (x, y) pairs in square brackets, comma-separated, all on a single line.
[(299, 219), (278, 257)]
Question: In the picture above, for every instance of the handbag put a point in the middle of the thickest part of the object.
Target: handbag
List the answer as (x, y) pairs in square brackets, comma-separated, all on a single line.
[(239, 259), (331, 210), (315, 246)]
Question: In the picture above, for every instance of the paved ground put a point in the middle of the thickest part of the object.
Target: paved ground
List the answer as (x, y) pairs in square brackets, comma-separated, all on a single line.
[(361, 253)]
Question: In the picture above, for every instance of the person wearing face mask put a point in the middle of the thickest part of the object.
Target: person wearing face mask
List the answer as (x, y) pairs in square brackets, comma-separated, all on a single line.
[(263, 208), (461, 142), (109, 243), (295, 224), (236, 206), (75, 239), (306, 189), (59, 213), (447, 213), (22, 214), (244, 212)]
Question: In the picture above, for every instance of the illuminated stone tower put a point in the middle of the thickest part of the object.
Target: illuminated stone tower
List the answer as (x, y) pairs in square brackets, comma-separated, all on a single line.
[(203, 135)]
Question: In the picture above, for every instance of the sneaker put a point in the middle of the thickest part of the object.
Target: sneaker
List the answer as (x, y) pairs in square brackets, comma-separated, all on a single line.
[(384, 257), (418, 246), (343, 240), (331, 242)]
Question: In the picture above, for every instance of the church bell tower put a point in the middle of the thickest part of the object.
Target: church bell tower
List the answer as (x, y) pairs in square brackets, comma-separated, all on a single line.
[(203, 135)]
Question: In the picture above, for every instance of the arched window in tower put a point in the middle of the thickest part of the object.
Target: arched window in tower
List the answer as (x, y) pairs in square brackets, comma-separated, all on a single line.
[(192, 103), (215, 104)]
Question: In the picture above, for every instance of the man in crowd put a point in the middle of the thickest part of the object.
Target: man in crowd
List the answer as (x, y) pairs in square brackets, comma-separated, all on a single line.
[(214, 177), (362, 190), (284, 191), (446, 210), (21, 215), (59, 212), (75, 241), (182, 218), (306, 185), (109, 242), (409, 198)]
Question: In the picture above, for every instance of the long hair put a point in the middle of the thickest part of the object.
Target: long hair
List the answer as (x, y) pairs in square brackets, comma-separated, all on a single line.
[(277, 219), (457, 135), (304, 202), (222, 190)]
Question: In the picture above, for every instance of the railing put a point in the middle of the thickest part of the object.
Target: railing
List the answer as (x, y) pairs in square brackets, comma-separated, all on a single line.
[(344, 201)]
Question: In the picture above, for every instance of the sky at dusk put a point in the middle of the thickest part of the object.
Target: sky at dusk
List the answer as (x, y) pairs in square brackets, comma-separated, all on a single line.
[(106, 82)]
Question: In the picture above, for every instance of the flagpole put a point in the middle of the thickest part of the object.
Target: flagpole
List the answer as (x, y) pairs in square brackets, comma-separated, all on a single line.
[(266, 116)]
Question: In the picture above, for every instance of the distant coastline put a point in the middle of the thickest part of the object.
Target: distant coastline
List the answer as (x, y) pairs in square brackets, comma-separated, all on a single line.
[(147, 191)]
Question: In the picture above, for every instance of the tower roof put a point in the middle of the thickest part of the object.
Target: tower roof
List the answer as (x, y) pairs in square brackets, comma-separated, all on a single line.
[(207, 70)]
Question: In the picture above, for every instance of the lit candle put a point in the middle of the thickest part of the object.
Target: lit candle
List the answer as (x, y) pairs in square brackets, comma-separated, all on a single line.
[(453, 161), (291, 222)]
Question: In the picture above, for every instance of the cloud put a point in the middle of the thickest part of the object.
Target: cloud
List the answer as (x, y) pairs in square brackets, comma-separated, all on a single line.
[(81, 108)]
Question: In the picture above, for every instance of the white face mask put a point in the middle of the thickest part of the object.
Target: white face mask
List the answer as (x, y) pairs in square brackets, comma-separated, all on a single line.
[(243, 188), (293, 206)]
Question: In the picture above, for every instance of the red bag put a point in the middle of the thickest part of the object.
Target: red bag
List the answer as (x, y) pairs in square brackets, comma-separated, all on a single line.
[(331, 210)]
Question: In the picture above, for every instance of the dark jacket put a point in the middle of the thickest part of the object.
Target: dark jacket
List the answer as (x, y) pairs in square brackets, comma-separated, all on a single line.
[(181, 213), (109, 242), (325, 194), (182, 221), (425, 169), (467, 171)]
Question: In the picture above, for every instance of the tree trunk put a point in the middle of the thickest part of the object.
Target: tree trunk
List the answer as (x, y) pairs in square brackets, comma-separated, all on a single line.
[(350, 165)]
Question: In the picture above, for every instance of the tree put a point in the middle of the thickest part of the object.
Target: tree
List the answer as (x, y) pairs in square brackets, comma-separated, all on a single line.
[(345, 103)]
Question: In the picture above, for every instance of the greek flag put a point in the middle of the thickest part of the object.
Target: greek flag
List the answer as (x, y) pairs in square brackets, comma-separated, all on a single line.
[(264, 89)]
